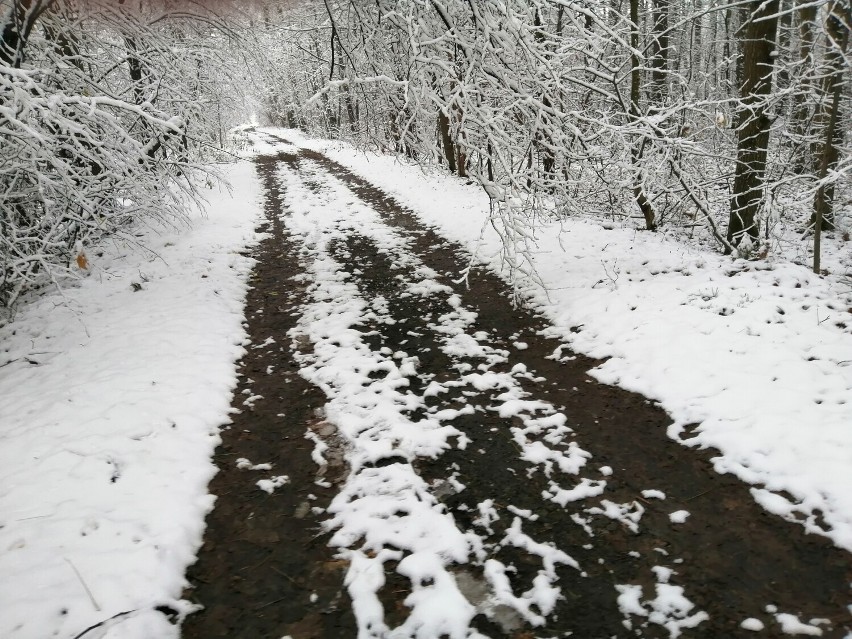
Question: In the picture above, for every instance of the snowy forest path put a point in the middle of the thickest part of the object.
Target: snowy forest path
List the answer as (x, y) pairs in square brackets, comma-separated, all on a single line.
[(453, 470)]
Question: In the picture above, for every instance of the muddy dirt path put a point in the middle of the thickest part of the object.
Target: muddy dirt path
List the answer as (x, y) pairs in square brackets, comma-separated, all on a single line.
[(549, 471)]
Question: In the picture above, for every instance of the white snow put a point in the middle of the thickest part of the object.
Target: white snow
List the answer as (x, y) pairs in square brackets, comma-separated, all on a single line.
[(756, 353), (269, 485), (628, 514), (244, 464), (114, 392), (487, 515), (319, 448), (755, 625), (585, 489), (791, 625), (113, 395), (670, 608), (679, 516)]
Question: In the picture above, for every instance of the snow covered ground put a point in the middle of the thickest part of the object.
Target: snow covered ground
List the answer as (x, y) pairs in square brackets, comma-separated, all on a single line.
[(758, 355), (114, 392), (113, 395)]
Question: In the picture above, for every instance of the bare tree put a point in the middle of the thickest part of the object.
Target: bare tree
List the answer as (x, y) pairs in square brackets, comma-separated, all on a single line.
[(753, 122), (801, 115), (838, 25), (636, 150), (561, 108)]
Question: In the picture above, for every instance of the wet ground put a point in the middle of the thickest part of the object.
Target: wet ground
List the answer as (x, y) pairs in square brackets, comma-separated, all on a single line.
[(266, 569)]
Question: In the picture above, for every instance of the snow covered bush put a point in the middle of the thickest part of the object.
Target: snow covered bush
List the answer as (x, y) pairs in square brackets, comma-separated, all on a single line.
[(106, 115), (646, 111), (76, 168)]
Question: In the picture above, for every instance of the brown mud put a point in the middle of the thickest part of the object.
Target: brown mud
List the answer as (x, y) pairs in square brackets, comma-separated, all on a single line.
[(265, 570), (264, 556)]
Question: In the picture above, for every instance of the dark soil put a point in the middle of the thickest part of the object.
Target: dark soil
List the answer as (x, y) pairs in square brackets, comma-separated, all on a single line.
[(265, 555)]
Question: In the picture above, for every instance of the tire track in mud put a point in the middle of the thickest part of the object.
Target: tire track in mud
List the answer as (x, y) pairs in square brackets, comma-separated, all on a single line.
[(731, 557), (733, 563), (265, 570)]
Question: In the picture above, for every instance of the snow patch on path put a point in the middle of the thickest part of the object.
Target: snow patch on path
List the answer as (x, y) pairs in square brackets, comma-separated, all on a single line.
[(669, 608)]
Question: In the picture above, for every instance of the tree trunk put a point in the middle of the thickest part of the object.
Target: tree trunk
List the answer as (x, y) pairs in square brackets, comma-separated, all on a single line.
[(800, 111), (461, 153), (544, 140), (823, 200), (636, 150), (727, 50), (659, 53), (712, 61), (752, 119), (785, 28), (838, 33), (447, 140)]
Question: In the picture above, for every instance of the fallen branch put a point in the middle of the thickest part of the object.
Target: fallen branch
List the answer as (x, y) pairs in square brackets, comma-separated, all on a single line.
[(101, 623)]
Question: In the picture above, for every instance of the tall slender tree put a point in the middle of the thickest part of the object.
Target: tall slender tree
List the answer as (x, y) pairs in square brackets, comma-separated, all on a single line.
[(753, 124), (838, 25), (637, 148)]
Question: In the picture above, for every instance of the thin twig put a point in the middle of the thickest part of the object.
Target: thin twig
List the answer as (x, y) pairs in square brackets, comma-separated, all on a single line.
[(80, 577), (101, 623), (700, 494), (262, 606), (289, 578)]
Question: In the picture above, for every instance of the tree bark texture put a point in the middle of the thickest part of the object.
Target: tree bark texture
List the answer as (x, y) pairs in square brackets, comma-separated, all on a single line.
[(447, 140), (801, 111), (636, 150), (837, 28), (752, 119), (659, 53)]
